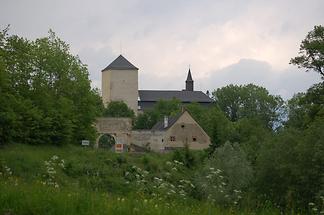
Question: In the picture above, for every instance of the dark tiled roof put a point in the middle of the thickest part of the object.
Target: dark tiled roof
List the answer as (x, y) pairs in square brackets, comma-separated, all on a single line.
[(159, 126), (183, 96), (120, 63), (145, 105)]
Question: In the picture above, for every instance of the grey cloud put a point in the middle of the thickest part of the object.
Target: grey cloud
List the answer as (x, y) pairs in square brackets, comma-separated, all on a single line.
[(163, 37), (284, 83)]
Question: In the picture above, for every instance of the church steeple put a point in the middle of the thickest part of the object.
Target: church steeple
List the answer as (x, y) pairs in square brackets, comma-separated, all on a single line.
[(189, 82)]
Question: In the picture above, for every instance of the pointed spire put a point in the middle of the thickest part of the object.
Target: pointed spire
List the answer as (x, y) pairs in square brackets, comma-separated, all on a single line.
[(189, 78), (189, 82)]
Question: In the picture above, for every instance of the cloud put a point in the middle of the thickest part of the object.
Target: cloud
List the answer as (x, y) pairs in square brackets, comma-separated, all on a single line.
[(278, 82), (163, 37)]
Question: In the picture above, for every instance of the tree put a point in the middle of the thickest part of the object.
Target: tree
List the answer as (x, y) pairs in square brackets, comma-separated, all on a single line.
[(291, 164), (146, 120), (217, 126), (45, 92), (251, 134), (162, 108), (249, 101), (312, 51), (304, 108), (118, 109)]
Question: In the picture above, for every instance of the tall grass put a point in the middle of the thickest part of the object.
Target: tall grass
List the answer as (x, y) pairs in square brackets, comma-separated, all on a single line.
[(38, 199), (75, 180)]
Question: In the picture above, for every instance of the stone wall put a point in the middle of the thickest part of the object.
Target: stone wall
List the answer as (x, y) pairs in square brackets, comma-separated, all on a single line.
[(148, 139), (109, 125)]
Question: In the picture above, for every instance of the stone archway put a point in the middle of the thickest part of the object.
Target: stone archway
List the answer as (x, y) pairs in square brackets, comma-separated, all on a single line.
[(118, 128), (107, 141)]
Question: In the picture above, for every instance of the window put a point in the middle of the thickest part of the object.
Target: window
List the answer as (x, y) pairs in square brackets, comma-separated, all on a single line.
[(194, 139), (172, 138), (182, 126)]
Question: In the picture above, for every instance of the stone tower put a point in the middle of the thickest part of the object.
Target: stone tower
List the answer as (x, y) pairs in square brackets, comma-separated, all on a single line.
[(119, 82), (189, 82)]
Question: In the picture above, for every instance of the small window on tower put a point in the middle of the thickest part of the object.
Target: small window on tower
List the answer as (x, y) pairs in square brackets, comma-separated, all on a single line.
[(172, 138), (182, 126), (194, 139)]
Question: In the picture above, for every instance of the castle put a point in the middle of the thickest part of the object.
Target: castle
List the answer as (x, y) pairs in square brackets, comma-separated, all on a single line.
[(120, 83)]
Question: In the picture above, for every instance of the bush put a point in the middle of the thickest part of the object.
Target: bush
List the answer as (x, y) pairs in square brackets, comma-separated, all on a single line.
[(225, 175)]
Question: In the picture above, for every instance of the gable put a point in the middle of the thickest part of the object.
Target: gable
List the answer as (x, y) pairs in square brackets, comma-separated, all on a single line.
[(120, 63), (186, 118)]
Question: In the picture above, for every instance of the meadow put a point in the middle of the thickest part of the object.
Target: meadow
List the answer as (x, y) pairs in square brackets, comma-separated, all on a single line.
[(75, 180)]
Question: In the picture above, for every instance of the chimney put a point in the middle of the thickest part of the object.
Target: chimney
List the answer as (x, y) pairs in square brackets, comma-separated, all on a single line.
[(166, 122)]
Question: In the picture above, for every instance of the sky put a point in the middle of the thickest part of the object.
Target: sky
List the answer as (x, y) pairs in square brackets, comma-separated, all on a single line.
[(222, 41)]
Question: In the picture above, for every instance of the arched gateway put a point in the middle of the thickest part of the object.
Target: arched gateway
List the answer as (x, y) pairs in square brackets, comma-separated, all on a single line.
[(119, 128)]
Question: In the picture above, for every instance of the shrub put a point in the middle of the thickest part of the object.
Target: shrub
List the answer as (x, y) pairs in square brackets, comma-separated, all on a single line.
[(225, 175)]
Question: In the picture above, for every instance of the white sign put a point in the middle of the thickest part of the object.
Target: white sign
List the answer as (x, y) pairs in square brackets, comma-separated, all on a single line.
[(85, 143)]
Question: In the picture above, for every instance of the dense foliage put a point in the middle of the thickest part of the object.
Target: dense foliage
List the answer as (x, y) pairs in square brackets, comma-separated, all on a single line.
[(312, 51), (249, 101), (118, 109), (45, 92), (162, 108)]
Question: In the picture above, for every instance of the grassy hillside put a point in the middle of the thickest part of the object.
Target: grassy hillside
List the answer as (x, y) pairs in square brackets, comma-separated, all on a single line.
[(75, 180)]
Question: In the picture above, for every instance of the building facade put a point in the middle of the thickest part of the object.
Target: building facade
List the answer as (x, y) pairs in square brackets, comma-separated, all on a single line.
[(120, 83), (169, 134)]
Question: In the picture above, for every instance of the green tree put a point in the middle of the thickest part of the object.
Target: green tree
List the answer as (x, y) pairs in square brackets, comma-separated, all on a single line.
[(167, 108), (250, 134), (249, 101), (289, 169), (146, 120), (118, 109), (218, 127), (46, 92), (312, 51), (304, 108), (162, 108)]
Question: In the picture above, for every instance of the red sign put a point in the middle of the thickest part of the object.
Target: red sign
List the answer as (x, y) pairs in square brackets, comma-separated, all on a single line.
[(119, 147)]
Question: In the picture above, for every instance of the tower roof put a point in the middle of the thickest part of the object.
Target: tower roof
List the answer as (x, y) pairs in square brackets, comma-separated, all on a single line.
[(189, 78), (120, 63)]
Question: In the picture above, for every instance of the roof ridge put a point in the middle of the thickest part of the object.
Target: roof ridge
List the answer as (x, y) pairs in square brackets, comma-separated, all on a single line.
[(120, 63), (171, 120)]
